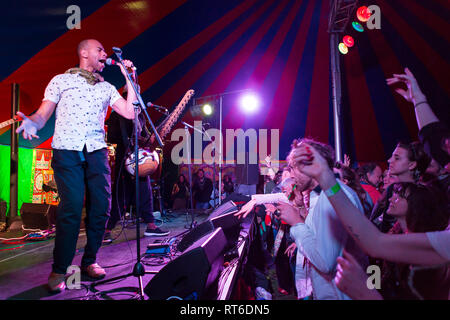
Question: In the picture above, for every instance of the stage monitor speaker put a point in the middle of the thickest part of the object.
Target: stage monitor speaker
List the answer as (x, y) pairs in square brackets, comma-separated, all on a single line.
[(237, 198), (214, 221), (199, 231), (223, 208), (194, 274), (38, 215)]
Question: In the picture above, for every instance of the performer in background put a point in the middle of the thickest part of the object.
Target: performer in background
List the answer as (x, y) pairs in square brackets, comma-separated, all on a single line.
[(202, 189), (180, 193), (121, 133), (81, 98)]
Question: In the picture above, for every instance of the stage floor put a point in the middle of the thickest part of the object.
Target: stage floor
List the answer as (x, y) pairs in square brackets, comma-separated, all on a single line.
[(24, 271)]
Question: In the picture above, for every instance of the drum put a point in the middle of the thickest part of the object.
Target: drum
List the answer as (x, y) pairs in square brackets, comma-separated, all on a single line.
[(148, 162)]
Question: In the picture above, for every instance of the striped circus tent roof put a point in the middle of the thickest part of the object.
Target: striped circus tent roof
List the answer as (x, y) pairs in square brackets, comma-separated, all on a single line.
[(278, 48)]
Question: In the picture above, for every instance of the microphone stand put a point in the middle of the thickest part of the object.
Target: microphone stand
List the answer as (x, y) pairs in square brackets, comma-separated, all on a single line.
[(214, 169), (191, 210), (138, 269), (186, 126)]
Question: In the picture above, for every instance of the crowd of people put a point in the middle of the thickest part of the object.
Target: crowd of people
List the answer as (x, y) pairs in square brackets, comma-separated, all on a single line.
[(359, 232)]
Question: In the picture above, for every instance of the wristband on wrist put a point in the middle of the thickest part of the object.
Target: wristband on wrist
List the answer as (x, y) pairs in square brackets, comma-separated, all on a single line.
[(422, 102), (333, 190)]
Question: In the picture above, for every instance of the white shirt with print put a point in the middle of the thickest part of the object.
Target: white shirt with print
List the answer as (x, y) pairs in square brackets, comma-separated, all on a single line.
[(80, 112)]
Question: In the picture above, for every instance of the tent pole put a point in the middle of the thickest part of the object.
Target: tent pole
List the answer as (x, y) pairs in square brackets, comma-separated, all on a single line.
[(336, 86), (14, 180)]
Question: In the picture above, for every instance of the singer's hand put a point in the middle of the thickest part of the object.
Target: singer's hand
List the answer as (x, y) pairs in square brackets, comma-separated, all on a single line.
[(128, 64), (28, 127)]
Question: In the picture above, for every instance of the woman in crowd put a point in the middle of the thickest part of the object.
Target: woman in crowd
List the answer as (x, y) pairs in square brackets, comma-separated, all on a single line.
[(407, 163), (370, 176), (418, 209)]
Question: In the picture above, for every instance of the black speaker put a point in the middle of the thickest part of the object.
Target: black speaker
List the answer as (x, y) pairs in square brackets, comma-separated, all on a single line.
[(38, 215), (194, 274), (237, 198), (209, 225)]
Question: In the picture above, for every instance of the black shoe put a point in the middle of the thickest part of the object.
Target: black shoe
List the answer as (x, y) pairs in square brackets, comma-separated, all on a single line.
[(107, 238), (155, 232)]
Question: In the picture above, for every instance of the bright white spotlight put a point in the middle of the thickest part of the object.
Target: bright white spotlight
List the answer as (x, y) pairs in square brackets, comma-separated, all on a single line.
[(207, 109), (249, 103)]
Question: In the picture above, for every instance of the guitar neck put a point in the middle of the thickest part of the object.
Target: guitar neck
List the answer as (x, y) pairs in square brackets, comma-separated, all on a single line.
[(164, 128), (7, 123)]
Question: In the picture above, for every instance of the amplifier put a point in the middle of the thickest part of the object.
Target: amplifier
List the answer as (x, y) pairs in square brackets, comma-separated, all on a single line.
[(38, 215)]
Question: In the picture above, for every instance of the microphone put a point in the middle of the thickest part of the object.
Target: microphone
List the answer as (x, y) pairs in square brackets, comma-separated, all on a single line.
[(157, 107), (206, 124), (112, 62)]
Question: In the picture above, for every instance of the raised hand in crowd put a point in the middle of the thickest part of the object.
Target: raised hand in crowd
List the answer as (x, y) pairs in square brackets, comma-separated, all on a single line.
[(413, 94), (346, 160)]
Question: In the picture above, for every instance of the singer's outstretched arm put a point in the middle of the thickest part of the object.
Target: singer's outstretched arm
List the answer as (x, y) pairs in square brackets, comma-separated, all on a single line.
[(37, 121)]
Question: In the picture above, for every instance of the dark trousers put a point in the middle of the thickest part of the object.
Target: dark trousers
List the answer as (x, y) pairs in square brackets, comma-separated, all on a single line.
[(123, 195), (283, 267), (76, 172)]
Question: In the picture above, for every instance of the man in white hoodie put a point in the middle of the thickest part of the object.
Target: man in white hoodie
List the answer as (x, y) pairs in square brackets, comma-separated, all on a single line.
[(321, 237)]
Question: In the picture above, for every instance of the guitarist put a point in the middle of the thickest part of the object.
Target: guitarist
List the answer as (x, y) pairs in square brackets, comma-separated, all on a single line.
[(121, 133)]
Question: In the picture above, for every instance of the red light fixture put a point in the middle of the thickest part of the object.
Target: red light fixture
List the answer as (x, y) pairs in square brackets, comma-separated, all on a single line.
[(348, 41), (363, 14)]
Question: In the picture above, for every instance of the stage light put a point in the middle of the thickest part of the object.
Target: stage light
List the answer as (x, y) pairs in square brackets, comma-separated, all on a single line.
[(343, 48), (348, 41), (363, 14), (207, 109), (249, 103), (357, 26)]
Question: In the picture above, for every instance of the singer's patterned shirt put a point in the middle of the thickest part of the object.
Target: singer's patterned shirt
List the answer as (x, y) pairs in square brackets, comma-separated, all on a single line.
[(80, 111)]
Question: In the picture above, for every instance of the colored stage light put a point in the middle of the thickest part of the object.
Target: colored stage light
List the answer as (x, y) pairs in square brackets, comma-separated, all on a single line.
[(343, 48), (363, 14), (357, 26), (249, 103), (207, 109), (348, 41)]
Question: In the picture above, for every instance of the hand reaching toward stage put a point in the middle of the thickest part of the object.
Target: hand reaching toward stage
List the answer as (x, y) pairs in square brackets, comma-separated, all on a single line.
[(28, 127), (246, 209)]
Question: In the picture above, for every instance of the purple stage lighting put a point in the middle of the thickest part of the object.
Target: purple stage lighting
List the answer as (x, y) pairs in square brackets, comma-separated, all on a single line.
[(249, 103)]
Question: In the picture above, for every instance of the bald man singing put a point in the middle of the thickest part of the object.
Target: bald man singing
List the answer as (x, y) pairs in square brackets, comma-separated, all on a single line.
[(80, 97)]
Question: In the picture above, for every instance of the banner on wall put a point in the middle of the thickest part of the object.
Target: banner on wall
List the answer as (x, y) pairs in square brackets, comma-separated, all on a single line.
[(42, 180)]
